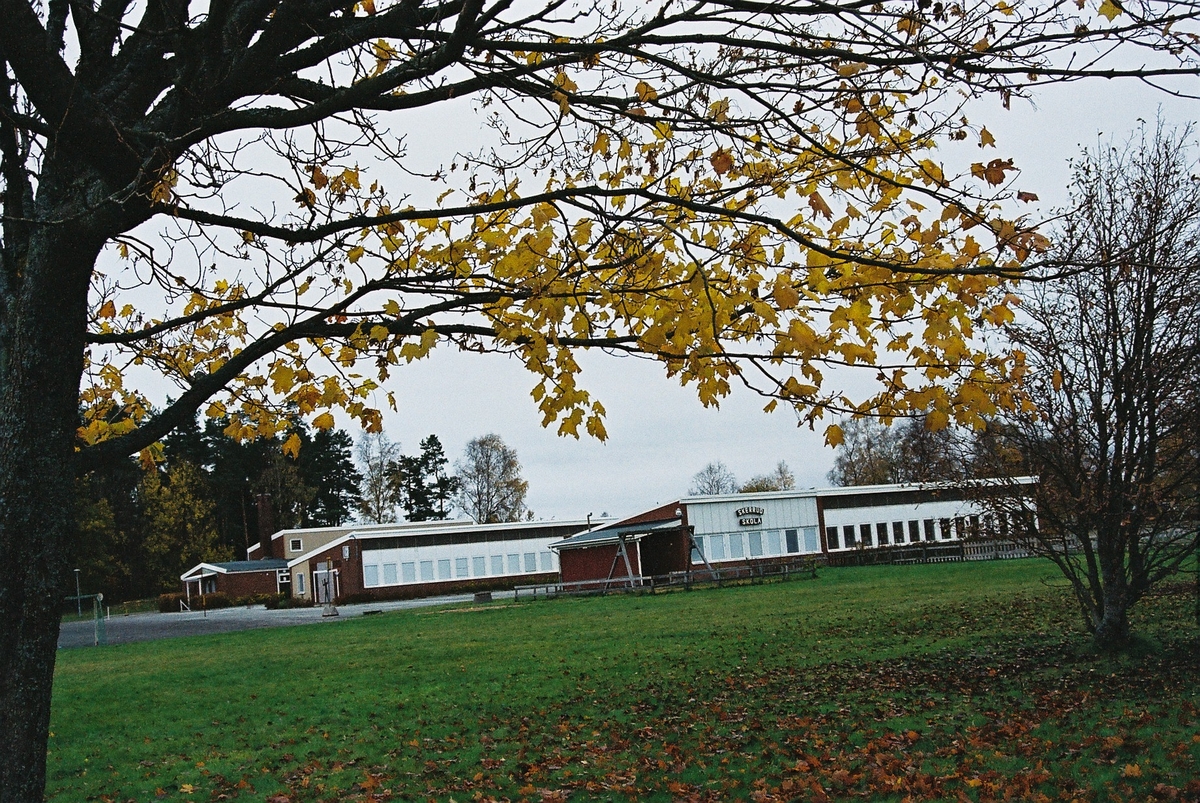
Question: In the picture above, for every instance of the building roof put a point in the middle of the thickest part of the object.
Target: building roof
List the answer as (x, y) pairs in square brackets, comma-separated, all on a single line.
[(409, 530), (854, 490), (234, 567), (346, 529), (611, 534)]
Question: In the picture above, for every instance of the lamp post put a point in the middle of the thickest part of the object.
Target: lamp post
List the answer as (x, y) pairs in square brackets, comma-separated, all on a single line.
[(78, 604)]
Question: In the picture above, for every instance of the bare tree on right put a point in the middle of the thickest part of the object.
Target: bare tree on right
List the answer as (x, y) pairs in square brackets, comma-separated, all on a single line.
[(1113, 352), (491, 488)]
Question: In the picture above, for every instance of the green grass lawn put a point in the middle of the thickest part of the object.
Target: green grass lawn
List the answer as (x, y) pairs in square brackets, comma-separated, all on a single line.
[(944, 682)]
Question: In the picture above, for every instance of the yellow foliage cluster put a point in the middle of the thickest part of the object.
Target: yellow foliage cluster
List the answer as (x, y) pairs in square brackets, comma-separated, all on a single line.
[(757, 262)]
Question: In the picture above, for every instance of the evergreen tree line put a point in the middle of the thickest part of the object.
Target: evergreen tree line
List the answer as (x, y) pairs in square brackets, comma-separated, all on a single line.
[(141, 527)]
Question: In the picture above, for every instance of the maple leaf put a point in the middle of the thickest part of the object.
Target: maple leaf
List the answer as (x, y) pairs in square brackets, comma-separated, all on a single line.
[(721, 161), (1110, 10), (818, 205), (993, 171)]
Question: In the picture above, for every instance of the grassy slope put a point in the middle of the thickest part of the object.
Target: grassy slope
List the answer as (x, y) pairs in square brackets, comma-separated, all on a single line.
[(928, 681)]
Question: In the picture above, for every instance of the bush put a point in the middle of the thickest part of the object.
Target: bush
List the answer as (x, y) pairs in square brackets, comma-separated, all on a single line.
[(280, 601), (256, 599), (212, 601)]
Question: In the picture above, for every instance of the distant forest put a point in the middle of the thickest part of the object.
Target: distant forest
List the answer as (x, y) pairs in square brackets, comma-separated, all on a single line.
[(141, 527)]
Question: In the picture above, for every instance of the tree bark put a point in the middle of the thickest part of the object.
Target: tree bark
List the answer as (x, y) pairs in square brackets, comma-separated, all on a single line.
[(43, 316), (1111, 633)]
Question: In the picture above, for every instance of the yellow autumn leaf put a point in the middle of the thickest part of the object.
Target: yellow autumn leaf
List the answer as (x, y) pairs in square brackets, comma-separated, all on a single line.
[(355, 254), (107, 310), (323, 421), (834, 435), (786, 296), (379, 333), (1110, 10), (645, 92), (291, 448)]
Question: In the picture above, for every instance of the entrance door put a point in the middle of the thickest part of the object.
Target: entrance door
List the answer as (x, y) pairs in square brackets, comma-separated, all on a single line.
[(325, 583)]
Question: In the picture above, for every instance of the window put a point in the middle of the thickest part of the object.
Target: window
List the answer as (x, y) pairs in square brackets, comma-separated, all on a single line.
[(717, 544), (408, 572), (737, 545), (898, 532), (296, 545), (831, 535), (300, 584), (973, 526), (530, 562), (462, 567), (960, 527), (881, 530), (773, 547), (547, 560), (444, 569), (479, 566), (848, 535), (370, 575), (914, 531), (929, 536), (389, 574), (864, 535), (698, 549), (791, 541), (944, 526), (514, 564), (810, 540), (497, 564), (426, 571), (756, 549)]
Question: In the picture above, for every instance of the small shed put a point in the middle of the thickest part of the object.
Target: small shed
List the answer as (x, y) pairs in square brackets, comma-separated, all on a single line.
[(238, 578)]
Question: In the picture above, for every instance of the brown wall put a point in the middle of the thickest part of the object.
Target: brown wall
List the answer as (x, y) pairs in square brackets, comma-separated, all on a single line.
[(663, 553), (594, 563), (350, 576), (419, 590), (662, 513), (243, 584)]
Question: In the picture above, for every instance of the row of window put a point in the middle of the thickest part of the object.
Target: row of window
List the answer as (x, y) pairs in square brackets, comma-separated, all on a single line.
[(850, 536), (428, 571), (755, 544)]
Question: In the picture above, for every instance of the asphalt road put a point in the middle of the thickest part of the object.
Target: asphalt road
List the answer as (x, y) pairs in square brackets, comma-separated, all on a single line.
[(154, 626)]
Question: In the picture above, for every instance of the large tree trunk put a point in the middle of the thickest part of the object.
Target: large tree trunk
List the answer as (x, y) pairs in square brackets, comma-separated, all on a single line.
[(1111, 629), (43, 314)]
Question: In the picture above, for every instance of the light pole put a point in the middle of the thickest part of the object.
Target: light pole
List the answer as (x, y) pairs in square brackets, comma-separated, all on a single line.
[(78, 604)]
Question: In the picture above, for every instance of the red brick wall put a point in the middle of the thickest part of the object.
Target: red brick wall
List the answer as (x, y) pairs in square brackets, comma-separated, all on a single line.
[(663, 513), (439, 588), (243, 584), (594, 563), (350, 576)]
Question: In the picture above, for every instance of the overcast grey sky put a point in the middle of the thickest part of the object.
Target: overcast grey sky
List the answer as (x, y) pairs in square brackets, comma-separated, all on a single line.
[(659, 435)]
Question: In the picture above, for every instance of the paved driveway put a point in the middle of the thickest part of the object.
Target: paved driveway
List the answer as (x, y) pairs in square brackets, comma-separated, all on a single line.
[(154, 626)]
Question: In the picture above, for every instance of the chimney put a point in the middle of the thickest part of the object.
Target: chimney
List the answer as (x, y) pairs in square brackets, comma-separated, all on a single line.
[(266, 527)]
